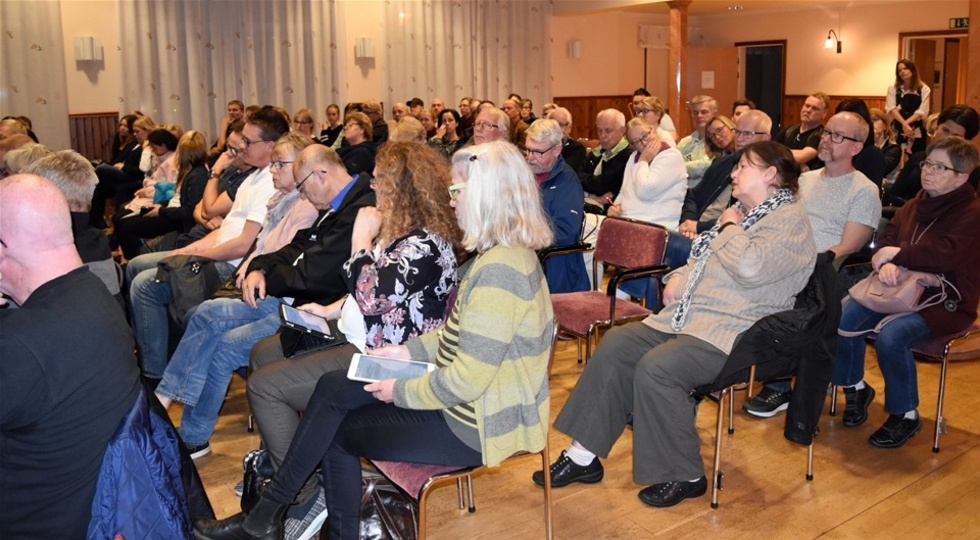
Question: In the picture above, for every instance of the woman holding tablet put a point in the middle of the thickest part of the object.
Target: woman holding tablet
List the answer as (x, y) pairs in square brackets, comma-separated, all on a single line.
[(487, 397), (400, 275)]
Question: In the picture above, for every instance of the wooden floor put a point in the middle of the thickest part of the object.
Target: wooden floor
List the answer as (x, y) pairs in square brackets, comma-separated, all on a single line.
[(858, 491)]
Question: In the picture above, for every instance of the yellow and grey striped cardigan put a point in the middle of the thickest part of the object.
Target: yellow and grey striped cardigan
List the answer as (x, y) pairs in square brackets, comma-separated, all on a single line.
[(492, 354)]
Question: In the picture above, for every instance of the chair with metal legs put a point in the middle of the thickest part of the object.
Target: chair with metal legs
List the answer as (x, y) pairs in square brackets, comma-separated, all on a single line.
[(418, 479), (963, 345)]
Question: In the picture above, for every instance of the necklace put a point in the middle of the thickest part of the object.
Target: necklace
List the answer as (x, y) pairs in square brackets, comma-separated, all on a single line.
[(916, 240)]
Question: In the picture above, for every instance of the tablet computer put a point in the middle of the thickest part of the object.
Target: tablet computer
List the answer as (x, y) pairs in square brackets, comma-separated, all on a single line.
[(305, 322), (367, 368)]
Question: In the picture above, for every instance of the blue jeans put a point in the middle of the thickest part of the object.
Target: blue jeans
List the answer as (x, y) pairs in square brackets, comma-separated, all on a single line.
[(148, 305), (219, 336), (678, 250), (894, 348)]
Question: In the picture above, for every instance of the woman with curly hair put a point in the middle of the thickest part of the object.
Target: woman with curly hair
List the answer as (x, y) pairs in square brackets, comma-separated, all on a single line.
[(400, 274)]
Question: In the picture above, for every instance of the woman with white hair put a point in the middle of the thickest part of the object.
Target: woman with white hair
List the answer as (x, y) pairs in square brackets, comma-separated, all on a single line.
[(487, 397)]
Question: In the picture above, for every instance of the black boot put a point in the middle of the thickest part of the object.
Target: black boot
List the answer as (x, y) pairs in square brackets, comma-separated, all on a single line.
[(264, 522)]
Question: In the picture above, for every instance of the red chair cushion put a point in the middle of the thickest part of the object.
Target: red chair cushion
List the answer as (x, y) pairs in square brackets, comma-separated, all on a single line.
[(580, 311), (411, 476)]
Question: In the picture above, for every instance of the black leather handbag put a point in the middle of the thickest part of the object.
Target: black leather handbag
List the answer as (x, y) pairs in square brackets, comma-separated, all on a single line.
[(258, 474)]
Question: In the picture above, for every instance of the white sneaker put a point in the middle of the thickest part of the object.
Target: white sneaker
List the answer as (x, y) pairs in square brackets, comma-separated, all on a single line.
[(309, 526)]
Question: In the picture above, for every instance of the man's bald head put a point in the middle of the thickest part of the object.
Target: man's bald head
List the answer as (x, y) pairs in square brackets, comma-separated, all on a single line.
[(36, 241)]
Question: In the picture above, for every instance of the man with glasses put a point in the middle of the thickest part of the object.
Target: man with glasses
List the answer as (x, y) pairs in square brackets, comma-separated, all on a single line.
[(703, 109), (562, 198), (572, 151), (804, 138), (705, 202), (221, 332), (844, 210), (491, 125), (228, 243), (960, 120), (227, 175)]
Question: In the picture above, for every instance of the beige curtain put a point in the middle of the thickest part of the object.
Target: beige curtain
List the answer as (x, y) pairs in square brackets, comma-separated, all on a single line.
[(32, 68), (478, 48), (282, 52)]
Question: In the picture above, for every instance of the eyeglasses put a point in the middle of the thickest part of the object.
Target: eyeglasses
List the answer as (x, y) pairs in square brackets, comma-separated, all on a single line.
[(455, 188), (248, 142), (299, 186), (718, 132), (642, 111), (739, 133), (835, 137), (563, 125), (927, 165), (639, 141), (485, 125), (279, 164), (528, 152), (350, 124)]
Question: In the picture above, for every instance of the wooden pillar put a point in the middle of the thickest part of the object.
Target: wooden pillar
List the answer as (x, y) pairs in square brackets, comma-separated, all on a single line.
[(677, 87), (972, 73)]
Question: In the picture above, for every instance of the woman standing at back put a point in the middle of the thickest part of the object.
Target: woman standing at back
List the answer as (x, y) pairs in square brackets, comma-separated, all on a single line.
[(907, 104)]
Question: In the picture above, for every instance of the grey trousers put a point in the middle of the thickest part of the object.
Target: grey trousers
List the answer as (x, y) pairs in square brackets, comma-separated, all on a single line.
[(651, 374), (279, 389)]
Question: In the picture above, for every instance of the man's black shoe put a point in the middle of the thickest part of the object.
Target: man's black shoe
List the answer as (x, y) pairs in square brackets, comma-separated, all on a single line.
[(896, 431), (564, 471), (671, 493), (856, 405)]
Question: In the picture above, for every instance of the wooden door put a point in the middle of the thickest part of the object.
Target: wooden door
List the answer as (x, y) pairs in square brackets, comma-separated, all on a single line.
[(711, 71)]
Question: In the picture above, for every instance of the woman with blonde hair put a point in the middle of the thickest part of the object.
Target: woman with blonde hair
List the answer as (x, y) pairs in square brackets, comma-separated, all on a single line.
[(651, 109), (122, 177), (304, 122), (487, 397), (720, 133), (358, 155)]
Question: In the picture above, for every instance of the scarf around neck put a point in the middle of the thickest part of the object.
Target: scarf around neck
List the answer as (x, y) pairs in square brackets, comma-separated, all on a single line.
[(701, 249)]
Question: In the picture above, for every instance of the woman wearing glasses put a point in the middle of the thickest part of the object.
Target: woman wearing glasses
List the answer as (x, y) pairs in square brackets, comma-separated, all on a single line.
[(651, 109), (358, 155), (654, 187), (935, 232), (304, 123), (721, 137), (487, 397)]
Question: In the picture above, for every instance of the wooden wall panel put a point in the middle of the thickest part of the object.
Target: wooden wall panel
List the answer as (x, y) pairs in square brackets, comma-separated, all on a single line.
[(92, 134), (793, 103), (585, 108)]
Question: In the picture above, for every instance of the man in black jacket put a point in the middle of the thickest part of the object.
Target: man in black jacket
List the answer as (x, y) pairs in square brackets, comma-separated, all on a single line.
[(221, 332)]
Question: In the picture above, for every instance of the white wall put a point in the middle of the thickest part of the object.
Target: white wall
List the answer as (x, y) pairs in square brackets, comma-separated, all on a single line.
[(92, 87), (612, 62)]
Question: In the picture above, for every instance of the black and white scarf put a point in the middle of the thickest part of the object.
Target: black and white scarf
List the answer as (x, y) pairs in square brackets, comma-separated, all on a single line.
[(701, 249)]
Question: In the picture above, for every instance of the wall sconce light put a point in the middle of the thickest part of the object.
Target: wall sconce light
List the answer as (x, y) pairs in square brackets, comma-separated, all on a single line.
[(574, 49), (829, 44), (363, 48), (88, 49)]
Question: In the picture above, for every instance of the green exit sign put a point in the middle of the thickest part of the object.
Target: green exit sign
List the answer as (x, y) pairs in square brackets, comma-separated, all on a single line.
[(959, 22)]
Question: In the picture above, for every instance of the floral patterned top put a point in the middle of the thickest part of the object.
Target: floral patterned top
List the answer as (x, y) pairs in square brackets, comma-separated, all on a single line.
[(402, 290)]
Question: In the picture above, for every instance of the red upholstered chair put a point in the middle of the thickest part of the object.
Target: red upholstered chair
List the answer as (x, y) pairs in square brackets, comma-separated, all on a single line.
[(417, 479), (634, 249), (963, 345)]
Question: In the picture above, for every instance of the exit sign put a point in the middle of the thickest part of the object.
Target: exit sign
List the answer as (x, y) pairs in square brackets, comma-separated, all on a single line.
[(959, 22)]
